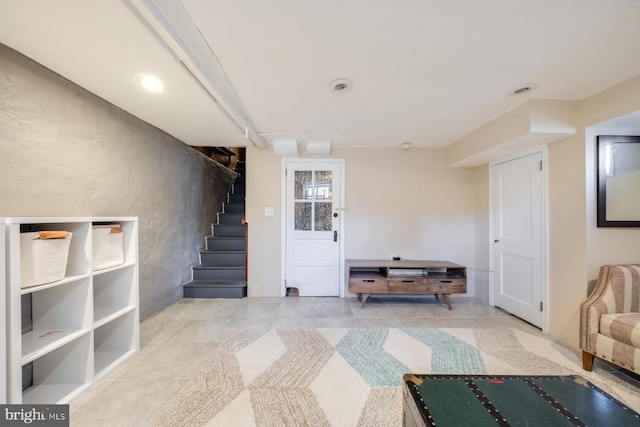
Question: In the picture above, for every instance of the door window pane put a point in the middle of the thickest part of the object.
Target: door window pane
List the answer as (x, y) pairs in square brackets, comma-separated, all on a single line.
[(323, 185), (303, 185), (303, 216), (323, 216)]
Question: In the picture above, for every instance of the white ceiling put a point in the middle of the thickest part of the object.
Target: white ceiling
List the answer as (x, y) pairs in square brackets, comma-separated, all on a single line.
[(425, 71)]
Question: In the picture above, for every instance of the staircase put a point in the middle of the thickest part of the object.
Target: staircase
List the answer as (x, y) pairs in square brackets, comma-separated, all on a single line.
[(223, 265)]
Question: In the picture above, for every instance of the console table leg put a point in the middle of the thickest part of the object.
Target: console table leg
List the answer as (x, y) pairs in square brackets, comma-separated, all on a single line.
[(447, 300), (363, 301)]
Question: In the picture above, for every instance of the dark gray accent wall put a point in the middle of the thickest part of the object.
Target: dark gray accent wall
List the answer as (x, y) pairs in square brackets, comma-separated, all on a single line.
[(66, 152)]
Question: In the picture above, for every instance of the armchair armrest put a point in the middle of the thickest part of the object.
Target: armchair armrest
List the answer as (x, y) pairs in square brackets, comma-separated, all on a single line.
[(617, 291)]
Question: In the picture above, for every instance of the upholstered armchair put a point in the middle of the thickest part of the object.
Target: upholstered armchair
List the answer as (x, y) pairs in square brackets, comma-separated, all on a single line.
[(610, 318)]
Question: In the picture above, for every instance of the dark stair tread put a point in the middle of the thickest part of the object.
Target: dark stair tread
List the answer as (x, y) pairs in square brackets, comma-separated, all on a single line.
[(216, 283), (215, 289), (223, 251), (225, 239), (219, 267), (229, 226)]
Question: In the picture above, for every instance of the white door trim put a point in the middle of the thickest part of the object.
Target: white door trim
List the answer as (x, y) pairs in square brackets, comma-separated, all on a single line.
[(283, 217), (544, 151)]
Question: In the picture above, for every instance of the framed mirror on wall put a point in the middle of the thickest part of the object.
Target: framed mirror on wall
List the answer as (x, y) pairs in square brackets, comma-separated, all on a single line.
[(618, 181)]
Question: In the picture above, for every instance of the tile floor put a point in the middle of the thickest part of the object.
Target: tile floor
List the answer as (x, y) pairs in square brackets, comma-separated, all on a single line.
[(175, 341)]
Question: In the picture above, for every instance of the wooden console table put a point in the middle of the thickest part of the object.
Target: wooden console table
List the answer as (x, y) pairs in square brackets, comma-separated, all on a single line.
[(368, 277)]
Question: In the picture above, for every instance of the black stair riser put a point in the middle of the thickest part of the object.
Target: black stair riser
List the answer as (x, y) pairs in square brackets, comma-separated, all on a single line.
[(218, 273), (226, 243), (223, 258), (235, 198), (228, 230), (234, 208), (230, 218)]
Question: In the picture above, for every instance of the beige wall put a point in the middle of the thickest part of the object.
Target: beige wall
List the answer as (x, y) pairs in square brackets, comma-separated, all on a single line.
[(400, 202), (264, 246), (482, 233), (567, 240)]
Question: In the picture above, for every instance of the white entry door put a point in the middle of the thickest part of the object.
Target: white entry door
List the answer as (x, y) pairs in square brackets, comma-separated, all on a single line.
[(312, 262), (518, 233)]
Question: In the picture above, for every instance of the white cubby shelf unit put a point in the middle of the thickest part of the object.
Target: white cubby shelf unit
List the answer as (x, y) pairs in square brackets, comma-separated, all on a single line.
[(3, 315), (66, 336)]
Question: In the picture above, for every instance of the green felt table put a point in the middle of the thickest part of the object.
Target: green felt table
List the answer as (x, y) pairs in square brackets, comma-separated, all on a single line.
[(488, 400)]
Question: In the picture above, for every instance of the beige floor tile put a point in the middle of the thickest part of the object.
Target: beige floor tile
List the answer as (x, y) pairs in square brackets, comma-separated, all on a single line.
[(198, 331), (372, 309), (158, 329), (409, 310)]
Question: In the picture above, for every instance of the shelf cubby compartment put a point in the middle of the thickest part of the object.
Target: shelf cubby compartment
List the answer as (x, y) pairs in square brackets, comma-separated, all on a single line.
[(115, 342), (114, 294), (3, 315), (78, 263), (129, 241), (59, 315), (62, 374)]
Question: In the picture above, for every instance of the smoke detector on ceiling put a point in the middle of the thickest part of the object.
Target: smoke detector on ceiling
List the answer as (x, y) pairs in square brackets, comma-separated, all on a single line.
[(341, 85), (523, 89)]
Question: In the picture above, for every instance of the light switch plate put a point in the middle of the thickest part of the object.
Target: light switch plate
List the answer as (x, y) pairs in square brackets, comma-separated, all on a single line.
[(268, 211)]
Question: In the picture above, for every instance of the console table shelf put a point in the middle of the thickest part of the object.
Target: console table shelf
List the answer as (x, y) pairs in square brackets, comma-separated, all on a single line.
[(407, 277)]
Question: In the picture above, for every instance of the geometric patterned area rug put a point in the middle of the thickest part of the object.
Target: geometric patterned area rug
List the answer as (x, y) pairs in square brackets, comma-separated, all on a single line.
[(353, 377)]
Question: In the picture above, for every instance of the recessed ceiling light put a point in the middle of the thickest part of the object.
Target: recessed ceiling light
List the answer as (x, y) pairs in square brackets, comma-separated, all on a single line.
[(150, 83), (341, 85)]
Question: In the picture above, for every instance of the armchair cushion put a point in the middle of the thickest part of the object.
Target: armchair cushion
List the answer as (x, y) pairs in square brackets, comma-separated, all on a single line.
[(624, 328)]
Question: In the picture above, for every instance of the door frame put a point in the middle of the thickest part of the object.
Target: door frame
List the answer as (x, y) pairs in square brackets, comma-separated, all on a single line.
[(283, 218), (544, 151)]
